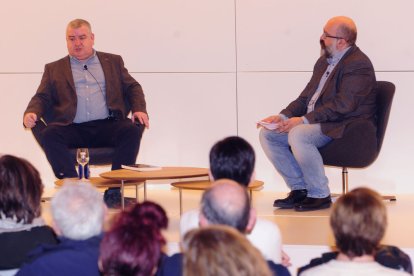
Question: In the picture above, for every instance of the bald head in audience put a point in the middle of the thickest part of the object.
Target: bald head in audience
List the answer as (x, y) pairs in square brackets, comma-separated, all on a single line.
[(227, 203)]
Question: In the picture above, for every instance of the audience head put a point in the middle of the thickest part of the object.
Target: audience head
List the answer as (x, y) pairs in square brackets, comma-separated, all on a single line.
[(232, 158), (80, 39), (20, 189), (78, 211), (358, 220), (221, 250), (226, 202), (133, 245), (339, 33)]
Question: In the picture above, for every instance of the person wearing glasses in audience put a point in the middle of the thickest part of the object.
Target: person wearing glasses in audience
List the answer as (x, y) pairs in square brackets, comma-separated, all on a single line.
[(340, 91), (85, 98)]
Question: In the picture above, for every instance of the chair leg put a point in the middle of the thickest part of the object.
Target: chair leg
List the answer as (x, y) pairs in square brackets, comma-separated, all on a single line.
[(344, 183), (344, 180), (181, 201), (345, 187)]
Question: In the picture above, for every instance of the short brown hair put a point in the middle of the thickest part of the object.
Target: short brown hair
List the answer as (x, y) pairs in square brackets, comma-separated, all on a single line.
[(221, 250), (358, 220), (20, 189)]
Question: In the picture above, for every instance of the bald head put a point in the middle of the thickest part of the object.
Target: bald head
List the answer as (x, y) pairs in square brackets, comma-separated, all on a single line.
[(343, 27), (226, 202)]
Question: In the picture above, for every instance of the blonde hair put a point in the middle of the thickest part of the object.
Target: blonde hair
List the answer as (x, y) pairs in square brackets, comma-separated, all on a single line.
[(221, 250)]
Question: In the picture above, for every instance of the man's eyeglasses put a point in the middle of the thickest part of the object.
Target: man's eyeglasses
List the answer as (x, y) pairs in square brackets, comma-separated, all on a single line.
[(325, 34)]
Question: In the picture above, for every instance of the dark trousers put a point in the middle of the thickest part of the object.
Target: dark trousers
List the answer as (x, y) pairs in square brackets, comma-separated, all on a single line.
[(123, 135)]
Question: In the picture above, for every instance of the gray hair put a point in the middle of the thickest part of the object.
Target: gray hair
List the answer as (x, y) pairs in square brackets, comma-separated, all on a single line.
[(77, 23), (227, 203), (78, 210)]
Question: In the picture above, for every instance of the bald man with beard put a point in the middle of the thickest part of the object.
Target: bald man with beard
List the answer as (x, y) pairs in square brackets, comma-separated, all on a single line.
[(340, 91)]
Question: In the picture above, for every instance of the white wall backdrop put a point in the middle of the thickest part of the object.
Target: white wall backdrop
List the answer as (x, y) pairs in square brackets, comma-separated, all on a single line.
[(211, 69)]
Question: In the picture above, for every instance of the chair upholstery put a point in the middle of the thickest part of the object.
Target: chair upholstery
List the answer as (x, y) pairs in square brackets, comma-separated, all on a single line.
[(362, 140), (98, 156)]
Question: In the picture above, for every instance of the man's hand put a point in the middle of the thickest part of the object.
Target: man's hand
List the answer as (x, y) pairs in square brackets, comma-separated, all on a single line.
[(290, 123), (271, 119), (285, 259), (29, 120), (141, 117)]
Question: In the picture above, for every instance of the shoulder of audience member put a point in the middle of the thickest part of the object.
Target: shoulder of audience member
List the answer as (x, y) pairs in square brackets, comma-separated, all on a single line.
[(278, 269), (326, 257), (171, 266)]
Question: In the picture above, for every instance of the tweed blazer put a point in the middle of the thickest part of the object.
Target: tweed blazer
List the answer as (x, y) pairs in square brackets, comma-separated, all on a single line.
[(56, 99), (348, 94)]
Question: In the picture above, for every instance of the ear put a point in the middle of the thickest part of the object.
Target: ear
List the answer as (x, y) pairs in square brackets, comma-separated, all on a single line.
[(253, 177), (342, 44), (252, 220), (210, 176), (100, 267), (202, 221), (56, 228)]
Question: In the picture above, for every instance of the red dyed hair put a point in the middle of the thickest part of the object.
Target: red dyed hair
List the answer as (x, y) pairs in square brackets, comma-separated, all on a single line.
[(133, 245)]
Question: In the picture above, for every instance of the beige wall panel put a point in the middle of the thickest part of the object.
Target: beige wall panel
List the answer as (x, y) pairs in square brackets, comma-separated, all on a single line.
[(284, 35), (152, 36), (188, 114)]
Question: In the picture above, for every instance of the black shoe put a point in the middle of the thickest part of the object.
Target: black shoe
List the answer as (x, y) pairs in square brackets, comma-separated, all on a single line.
[(311, 204), (294, 197), (112, 199)]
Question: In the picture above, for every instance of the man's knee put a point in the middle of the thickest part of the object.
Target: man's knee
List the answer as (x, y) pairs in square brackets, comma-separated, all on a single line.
[(50, 134), (130, 130), (263, 134), (297, 135)]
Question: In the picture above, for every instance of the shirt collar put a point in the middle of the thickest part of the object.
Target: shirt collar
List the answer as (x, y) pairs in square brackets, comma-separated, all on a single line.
[(337, 57), (86, 61)]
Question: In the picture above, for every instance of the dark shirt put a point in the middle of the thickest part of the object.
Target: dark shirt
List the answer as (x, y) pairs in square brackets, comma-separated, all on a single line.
[(14, 246), (69, 257), (173, 266), (386, 255)]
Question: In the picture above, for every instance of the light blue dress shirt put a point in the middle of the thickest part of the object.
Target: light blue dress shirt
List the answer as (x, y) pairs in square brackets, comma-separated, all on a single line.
[(90, 89)]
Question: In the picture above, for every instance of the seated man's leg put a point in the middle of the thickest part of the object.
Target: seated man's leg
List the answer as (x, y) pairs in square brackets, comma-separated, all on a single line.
[(125, 136), (55, 142), (304, 141), (127, 139), (276, 148)]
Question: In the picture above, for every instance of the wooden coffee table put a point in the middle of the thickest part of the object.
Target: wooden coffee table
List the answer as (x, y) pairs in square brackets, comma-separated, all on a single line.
[(124, 176), (205, 184)]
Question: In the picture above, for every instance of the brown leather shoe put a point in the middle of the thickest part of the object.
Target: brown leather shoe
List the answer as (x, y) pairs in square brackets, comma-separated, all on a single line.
[(293, 197), (311, 204)]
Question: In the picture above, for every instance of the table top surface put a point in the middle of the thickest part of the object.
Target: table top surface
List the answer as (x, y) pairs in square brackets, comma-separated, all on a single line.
[(204, 184), (164, 173), (98, 182)]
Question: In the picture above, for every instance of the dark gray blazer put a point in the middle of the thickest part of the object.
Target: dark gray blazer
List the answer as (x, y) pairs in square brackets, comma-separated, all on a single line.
[(56, 99), (348, 95)]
